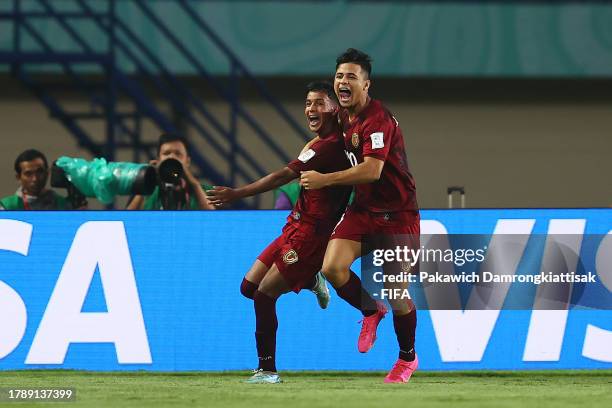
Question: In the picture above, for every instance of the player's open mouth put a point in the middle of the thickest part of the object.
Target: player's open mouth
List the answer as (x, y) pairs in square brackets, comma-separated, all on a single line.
[(314, 120), (344, 94)]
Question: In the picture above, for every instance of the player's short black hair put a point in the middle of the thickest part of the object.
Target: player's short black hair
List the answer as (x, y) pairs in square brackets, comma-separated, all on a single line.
[(323, 86), (355, 56), (172, 137), (29, 155)]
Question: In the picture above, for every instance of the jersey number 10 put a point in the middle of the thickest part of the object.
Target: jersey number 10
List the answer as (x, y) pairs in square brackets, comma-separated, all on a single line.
[(351, 157)]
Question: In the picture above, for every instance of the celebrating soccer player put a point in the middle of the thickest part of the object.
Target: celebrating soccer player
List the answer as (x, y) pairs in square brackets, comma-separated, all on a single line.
[(293, 260), (385, 204)]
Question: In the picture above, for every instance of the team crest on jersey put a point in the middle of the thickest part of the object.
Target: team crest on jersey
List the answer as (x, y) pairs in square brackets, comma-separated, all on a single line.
[(290, 257), (355, 140)]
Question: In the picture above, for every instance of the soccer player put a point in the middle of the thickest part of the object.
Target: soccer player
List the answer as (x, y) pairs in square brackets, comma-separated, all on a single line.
[(292, 260), (385, 204)]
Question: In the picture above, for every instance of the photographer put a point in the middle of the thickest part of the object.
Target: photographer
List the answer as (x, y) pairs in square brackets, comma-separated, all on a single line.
[(186, 194), (32, 172)]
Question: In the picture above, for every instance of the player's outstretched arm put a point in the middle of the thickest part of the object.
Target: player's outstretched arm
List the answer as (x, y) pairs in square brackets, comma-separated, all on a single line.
[(367, 172), (223, 195)]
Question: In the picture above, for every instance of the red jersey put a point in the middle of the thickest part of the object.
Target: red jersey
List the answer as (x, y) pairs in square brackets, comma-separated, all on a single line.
[(326, 155), (376, 133)]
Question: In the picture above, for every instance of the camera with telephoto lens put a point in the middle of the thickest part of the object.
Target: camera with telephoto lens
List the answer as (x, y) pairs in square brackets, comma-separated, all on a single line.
[(172, 191), (101, 179)]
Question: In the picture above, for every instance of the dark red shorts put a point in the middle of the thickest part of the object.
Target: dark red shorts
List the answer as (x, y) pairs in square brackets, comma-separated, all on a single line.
[(381, 231), (298, 253), (357, 224)]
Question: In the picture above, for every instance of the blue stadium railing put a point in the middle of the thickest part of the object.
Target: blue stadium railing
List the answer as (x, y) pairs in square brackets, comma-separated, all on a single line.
[(149, 86)]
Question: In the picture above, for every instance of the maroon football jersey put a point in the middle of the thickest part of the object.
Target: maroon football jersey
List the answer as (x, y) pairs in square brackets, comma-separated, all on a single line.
[(326, 155), (376, 133)]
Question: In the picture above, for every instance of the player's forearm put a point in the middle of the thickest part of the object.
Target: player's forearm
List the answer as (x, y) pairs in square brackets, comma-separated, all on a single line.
[(267, 183), (363, 173)]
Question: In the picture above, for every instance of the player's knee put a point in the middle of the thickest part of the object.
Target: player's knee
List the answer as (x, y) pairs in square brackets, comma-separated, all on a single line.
[(248, 288), (329, 271), (334, 272)]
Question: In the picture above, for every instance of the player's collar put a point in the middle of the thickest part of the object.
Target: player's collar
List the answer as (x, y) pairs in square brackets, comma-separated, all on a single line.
[(364, 112)]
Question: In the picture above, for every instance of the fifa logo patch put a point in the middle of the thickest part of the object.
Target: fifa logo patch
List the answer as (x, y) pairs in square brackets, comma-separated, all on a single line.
[(307, 155), (355, 140), (378, 140), (290, 257)]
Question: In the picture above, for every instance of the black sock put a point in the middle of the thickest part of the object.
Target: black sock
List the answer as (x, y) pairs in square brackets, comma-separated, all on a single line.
[(265, 332), (405, 328), (248, 288), (356, 296)]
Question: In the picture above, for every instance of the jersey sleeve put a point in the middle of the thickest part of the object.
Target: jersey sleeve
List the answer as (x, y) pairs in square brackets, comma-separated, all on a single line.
[(377, 139), (317, 157)]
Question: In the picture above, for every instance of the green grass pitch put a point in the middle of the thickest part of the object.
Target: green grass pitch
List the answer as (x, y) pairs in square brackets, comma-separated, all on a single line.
[(539, 389)]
